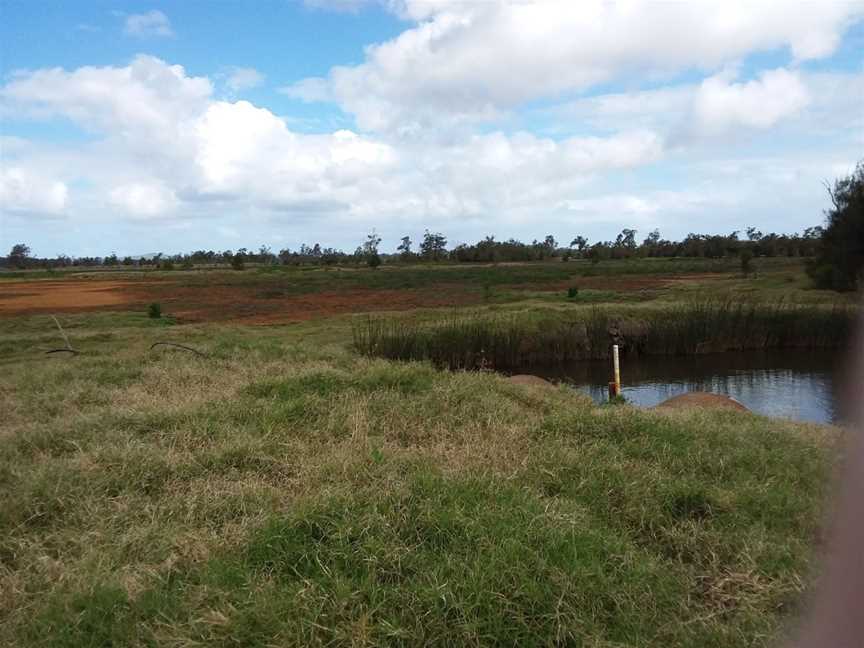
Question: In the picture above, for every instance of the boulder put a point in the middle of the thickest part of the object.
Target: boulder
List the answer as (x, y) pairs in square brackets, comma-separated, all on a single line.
[(527, 379), (702, 399)]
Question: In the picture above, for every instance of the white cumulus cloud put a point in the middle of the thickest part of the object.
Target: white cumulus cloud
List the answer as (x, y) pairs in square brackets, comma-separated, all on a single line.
[(760, 103), (469, 61), (144, 200), (169, 147), (27, 192)]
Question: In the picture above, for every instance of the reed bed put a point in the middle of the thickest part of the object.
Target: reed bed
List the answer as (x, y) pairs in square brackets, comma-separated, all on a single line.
[(480, 341)]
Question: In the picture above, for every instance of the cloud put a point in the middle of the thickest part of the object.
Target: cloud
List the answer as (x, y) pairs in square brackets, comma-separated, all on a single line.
[(468, 62), (717, 106), (152, 23), (166, 148), (147, 104), (26, 192), (721, 105), (243, 78), (162, 145), (144, 200)]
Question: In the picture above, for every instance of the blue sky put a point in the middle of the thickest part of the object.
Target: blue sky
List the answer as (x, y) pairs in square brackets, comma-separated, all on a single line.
[(172, 126)]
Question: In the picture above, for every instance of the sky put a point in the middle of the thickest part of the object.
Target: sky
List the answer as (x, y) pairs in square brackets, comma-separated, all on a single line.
[(141, 127)]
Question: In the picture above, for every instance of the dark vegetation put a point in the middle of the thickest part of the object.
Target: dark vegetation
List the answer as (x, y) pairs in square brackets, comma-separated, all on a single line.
[(551, 338), (839, 261), (433, 249)]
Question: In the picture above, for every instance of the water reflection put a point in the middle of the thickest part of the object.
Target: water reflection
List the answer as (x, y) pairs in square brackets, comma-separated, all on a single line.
[(798, 385)]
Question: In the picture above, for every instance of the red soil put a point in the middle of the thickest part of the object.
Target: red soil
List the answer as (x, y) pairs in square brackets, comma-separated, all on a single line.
[(250, 303), (238, 303)]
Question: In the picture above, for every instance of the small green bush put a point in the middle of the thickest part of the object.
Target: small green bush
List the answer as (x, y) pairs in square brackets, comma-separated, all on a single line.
[(620, 399), (573, 292), (154, 310)]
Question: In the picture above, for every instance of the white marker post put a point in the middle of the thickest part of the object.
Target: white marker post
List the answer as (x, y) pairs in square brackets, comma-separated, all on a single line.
[(616, 367)]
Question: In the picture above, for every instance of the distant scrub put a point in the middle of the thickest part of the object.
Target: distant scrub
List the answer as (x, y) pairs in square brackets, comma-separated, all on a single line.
[(510, 342)]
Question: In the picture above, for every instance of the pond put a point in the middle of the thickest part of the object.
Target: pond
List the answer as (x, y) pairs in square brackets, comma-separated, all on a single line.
[(798, 385)]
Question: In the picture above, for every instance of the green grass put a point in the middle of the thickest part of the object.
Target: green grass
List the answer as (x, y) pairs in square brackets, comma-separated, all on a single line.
[(285, 491), (532, 338)]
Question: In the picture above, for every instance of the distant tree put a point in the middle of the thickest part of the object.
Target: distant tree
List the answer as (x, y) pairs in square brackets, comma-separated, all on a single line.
[(238, 260), (652, 239), (599, 251), (839, 261), (434, 246), (753, 234), (370, 250), (626, 239), (404, 248), (18, 256), (580, 243), (265, 255)]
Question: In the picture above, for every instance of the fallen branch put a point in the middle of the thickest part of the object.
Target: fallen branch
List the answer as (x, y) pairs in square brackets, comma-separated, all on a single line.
[(179, 346), (68, 348)]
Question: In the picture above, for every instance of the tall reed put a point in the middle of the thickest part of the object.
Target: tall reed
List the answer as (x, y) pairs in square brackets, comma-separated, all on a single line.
[(473, 340)]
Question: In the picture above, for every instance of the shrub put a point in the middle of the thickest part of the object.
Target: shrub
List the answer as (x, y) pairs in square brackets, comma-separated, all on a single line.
[(746, 257), (154, 310), (839, 263), (573, 292)]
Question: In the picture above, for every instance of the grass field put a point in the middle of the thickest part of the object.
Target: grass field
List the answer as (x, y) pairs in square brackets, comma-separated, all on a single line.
[(283, 489)]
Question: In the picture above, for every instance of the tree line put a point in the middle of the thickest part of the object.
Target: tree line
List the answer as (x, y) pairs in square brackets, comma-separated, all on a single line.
[(433, 247), (836, 251)]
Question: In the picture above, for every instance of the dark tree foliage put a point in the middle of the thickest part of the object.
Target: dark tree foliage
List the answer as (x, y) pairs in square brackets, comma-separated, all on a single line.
[(434, 246), (18, 256), (238, 261), (370, 250), (839, 261), (404, 249)]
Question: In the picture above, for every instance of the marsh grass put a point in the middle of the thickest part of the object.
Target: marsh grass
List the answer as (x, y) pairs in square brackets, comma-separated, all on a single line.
[(513, 341), (284, 491)]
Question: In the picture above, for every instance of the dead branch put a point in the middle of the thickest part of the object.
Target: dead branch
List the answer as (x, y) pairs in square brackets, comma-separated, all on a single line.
[(179, 346), (68, 348)]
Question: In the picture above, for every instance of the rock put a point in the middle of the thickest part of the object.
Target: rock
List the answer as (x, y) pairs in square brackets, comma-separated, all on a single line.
[(526, 379), (702, 399)]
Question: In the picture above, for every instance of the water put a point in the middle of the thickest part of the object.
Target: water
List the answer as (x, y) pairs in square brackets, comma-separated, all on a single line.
[(798, 385)]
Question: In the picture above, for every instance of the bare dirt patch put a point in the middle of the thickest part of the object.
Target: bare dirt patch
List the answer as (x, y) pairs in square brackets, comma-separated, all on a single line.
[(31, 297), (242, 303), (260, 302)]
